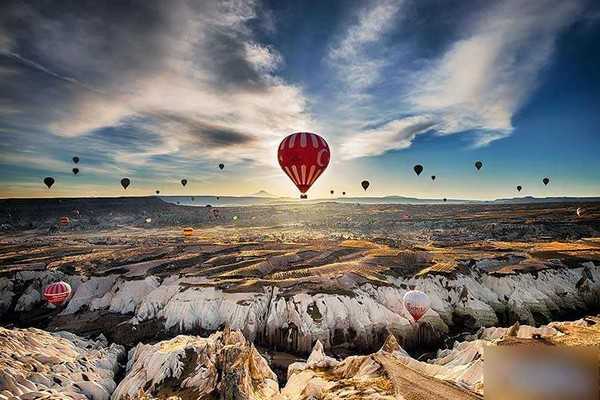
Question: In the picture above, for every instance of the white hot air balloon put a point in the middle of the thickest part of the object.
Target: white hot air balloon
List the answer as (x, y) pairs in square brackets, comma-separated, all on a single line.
[(416, 303), (579, 212)]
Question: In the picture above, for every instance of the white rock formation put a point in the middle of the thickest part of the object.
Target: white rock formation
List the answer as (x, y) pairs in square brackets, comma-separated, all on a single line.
[(35, 363)]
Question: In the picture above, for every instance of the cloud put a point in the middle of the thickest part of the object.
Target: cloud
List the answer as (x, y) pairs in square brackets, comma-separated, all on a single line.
[(351, 56), (189, 77), (394, 135), (478, 83)]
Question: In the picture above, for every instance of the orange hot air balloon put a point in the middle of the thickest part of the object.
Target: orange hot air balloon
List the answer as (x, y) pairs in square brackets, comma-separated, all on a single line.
[(64, 220), (188, 231), (57, 293), (303, 156)]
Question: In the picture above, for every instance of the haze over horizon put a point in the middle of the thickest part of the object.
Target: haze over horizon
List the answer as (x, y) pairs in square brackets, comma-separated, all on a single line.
[(160, 91)]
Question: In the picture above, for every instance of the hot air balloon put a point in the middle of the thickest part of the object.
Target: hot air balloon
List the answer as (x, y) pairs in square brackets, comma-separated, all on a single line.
[(76, 159), (579, 212), (546, 181), (49, 181), (303, 156), (365, 184), (519, 188), (125, 182), (184, 182), (148, 220), (331, 192), (75, 171), (221, 166), (57, 293), (445, 199), (188, 231), (418, 169), (433, 177), (478, 165), (416, 303), (343, 193), (157, 192), (218, 197)]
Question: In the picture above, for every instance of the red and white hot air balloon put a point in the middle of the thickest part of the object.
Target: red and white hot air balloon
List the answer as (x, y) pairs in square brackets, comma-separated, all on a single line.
[(57, 293), (416, 303), (303, 156)]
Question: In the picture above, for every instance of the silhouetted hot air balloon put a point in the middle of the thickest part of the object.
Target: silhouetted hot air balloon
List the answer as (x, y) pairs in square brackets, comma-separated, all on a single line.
[(418, 169), (433, 177), (76, 159), (75, 171), (343, 193), (478, 165), (519, 188), (546, 181), (49, 181), (218, 197), (416, 303), (125, 183), (303, 156), (57, 293), (158, 192), (445, 199), (184, 182), (221, 166), (331, 192), (365, 184)]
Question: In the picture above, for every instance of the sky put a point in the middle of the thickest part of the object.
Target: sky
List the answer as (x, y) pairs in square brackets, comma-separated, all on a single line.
[(158, 91)]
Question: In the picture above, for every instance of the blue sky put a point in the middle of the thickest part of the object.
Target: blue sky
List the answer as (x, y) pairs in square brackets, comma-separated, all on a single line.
[(160, 91)]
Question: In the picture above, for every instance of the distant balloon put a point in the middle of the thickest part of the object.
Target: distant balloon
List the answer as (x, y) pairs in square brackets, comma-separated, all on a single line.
[(418, 169), (125, 183), (218, 197), (343, 193), (579, 212), (546, 181), (184, 182), (221, 166), (433, 177), (303, 156), (49, 181), (519, 188), (365, 184), (478, 165), (188, 231), (416, 303), (445, 199), (75, 171), (75, 159), (148, 220), (158, 192), (331, 192), (57, 293)]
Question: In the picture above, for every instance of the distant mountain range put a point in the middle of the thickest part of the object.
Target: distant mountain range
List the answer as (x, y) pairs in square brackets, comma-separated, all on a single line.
[(265, 198)]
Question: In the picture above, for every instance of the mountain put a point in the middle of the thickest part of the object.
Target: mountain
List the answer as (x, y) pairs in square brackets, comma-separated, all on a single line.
[(262, 193)]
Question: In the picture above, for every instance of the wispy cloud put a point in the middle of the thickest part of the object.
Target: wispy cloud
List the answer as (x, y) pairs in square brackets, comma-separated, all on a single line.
[(481, 80)]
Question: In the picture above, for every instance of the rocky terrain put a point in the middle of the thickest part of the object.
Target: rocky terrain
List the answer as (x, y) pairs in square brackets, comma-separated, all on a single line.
[(256, 294)]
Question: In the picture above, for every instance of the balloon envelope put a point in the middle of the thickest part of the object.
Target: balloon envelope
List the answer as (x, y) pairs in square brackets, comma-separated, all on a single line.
[(331, 191), (478, 165), (184, 182), (519, 188), (221, 166), (365, 184), (579, 212), (49, 181), (75, 159), (546, 181), (57, 293), (418, 169), (125, 182), (343, 193), (433, 177), (303, 156), (158, 192), (416, 303), (75, 171)]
